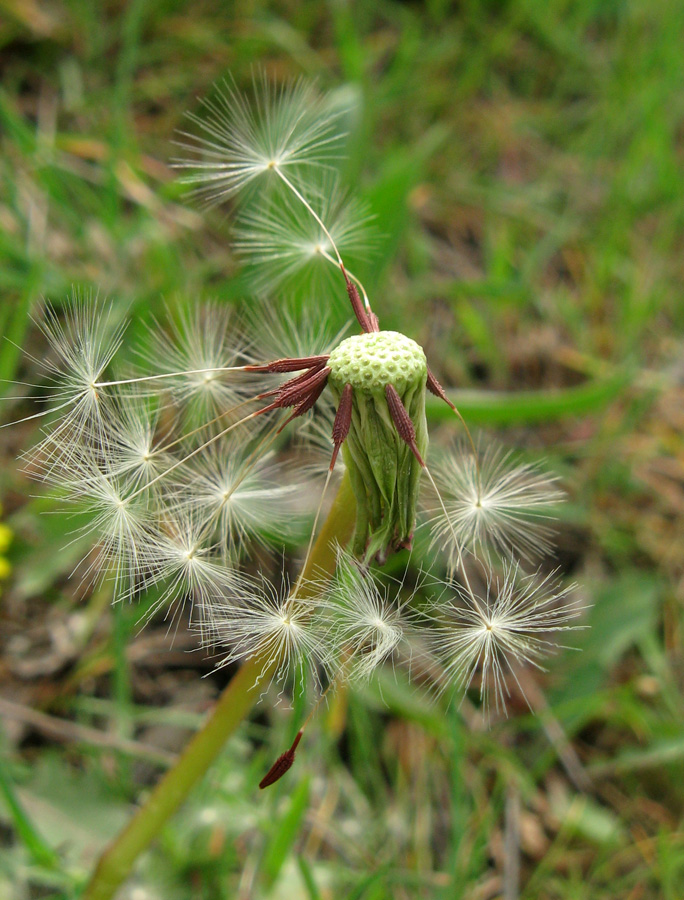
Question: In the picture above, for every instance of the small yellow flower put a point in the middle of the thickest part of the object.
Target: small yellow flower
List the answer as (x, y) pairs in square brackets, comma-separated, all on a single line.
[(5, 541)]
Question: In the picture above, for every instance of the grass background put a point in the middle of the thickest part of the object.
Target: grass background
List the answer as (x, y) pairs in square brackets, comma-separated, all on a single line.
[(524, 162)]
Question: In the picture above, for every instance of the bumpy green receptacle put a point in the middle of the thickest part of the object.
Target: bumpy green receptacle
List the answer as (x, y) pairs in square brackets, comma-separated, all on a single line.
[(384, 472)]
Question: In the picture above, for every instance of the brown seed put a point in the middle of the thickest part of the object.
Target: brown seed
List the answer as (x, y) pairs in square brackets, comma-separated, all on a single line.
[(436, 388), (281, 765), (367, 321), (299, 390), (342, 422), (402, 420), (289, 365)]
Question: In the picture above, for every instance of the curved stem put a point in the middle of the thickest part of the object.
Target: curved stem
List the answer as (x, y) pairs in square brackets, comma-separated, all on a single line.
[(233, 705)]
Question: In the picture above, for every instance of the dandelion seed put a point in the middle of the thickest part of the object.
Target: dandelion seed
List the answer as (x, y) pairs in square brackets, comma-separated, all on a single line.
[(238, 497), (314, 438), (84, 340), (288, 128), (82, 343), (117, 522), (282, 765), (288, 251), (511, 625), (290, 331), (181, 563), (366, 627), (494, 502), (284, 631), (131, 447), (205, 347)]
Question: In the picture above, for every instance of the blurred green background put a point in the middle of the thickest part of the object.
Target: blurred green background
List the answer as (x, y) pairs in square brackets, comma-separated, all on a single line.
[(524, 164)]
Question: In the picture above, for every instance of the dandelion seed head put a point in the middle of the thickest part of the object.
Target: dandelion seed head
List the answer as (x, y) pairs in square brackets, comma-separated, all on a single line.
[(370, 361), (179, 481)]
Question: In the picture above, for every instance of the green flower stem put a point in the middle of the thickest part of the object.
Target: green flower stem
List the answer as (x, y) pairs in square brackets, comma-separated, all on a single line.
[(235, 702)]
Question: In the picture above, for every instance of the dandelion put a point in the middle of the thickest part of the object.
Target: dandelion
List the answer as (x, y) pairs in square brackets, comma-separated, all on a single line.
[(5, 541), (179, 464)]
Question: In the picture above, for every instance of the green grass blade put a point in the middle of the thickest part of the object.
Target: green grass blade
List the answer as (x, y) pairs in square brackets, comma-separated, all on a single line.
[(285, 833), (528, 407), (28, 833), (308, 879)]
